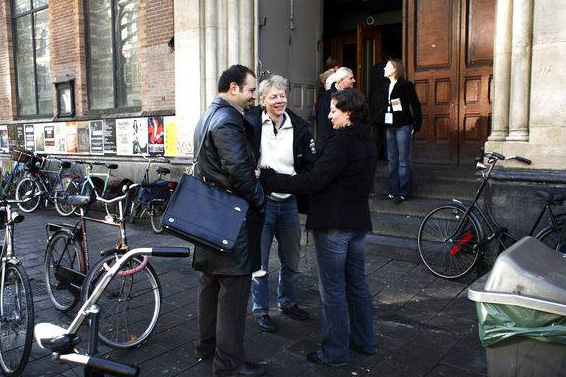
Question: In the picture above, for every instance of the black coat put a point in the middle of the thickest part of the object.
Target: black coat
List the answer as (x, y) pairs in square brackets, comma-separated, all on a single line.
[(227, 160), (411, 114), (304, 151), (324, 126), (340, 183)]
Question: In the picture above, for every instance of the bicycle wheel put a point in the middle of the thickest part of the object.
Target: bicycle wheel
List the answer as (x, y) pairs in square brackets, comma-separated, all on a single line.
[(134, 209), (449, 242), (130, 304), (63, 276), (16, 325), (70, 187), (28, 188), (156, 214), (550, 236)]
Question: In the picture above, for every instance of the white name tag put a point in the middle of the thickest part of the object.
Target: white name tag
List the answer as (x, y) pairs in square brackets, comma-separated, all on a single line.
[(388, 118), (396, 104)]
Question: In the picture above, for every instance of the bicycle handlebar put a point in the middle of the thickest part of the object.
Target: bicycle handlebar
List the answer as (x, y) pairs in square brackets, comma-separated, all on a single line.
[(501, 157), (125, 190), (103, 365)]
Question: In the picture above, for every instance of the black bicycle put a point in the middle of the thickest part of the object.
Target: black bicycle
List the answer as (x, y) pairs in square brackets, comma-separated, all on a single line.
[(452, 238), (152, 197), (53, 186)]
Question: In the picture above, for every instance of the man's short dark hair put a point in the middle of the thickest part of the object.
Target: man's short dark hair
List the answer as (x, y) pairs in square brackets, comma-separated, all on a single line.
[(235, 74)]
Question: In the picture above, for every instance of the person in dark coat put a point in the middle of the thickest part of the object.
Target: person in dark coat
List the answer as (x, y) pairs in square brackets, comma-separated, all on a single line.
[(402, 118), (283, 141), (344, 78), (339, 188), (226, 159)]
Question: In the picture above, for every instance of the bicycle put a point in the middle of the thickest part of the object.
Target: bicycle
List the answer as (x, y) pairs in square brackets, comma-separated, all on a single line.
[(14, 176), (67, 264), (152, 197), (51, 185), (63, 342), (16, 309), (452, 238), (98, 184)]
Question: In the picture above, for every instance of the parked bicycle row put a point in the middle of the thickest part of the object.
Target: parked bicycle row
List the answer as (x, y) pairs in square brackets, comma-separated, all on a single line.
[(45, 179), (121, 293)]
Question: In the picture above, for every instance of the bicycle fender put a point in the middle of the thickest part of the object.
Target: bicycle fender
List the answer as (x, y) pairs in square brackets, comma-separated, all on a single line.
[(58, 228), (473, 216)]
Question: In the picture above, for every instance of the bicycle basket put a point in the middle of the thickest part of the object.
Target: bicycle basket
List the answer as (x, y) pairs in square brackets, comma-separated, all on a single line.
[(20, 155)]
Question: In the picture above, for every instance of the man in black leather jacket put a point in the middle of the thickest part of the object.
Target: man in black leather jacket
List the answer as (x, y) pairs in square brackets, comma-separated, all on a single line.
[(226, 159)]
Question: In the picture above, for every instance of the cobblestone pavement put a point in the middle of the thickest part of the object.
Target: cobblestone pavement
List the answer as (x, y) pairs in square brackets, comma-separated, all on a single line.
[(425, 326)]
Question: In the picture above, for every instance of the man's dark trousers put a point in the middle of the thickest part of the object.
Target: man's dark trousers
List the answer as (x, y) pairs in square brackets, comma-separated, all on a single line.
[(222, 329)]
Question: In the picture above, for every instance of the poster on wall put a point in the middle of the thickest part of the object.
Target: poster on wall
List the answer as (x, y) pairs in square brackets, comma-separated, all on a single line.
[(4, 139), (39, 138), (184, 141), (96, 137), (60, 137), (29, 137), (109, 143), (19, 136), (156, 136), (83, 138), (170, 126), (71, 137), (139, 142), (49, 138), (124, 136)]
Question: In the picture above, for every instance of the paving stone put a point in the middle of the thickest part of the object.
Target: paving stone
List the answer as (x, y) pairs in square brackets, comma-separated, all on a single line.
[(424, 325)]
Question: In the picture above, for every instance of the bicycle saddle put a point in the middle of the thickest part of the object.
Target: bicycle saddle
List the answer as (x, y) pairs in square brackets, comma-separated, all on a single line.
[(112, 166), (65, 164), (161, 170), (78, 200), (550, 198)]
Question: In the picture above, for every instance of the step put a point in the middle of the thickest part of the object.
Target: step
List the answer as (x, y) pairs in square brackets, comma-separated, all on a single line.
[(402, 226), (416, 206)]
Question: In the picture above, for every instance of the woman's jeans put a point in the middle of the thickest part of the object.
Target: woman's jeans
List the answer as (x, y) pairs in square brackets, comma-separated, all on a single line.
[(347, 309), (399, 150), (282, 221)]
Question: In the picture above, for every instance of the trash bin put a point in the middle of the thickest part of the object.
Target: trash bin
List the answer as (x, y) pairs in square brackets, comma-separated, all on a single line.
[(522, 311)]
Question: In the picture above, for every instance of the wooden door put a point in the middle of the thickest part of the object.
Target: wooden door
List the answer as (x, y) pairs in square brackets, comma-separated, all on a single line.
[(368, 49), (449, 49), (476, 62)]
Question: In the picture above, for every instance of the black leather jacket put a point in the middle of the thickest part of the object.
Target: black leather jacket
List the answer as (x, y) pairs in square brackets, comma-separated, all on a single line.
[(227, 160)]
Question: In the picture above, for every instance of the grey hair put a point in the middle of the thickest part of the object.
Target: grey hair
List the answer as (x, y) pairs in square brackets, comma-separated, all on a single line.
[(273, 80), (341, 73)]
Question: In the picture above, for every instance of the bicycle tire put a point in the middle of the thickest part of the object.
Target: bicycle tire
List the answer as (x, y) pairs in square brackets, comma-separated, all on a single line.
[(445, 257), (17, 321), (61, 205), (550, 235), (26, 188), (157, 211), (62, 251), (123, 323)]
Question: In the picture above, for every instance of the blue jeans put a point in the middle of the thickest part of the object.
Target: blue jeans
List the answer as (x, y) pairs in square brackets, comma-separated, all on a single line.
[(347, 309), (281, 221), (399, 150)]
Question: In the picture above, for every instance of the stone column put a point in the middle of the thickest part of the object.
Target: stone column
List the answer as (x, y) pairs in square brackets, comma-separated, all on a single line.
[(210, 35), (520, 90), (501, 70)]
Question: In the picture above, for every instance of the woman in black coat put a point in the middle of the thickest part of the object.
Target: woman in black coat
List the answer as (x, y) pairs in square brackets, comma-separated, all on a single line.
[(402, 119), (339, 187)]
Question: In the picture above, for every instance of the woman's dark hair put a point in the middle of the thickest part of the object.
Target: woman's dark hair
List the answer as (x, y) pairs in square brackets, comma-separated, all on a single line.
[(352, 101), (235, 74)]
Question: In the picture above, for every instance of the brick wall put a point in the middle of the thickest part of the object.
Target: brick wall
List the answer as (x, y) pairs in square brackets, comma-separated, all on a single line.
[(157, 62), (7, 88), (66, 24)]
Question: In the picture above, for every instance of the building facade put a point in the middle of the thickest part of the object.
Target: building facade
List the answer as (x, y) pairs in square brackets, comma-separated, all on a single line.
[(105, 78)]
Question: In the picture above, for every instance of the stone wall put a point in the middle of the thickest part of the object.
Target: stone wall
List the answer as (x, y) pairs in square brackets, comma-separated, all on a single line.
[(545, 99)]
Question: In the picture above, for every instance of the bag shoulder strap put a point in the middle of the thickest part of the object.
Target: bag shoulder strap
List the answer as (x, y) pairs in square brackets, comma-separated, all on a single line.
[(204, 134)]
